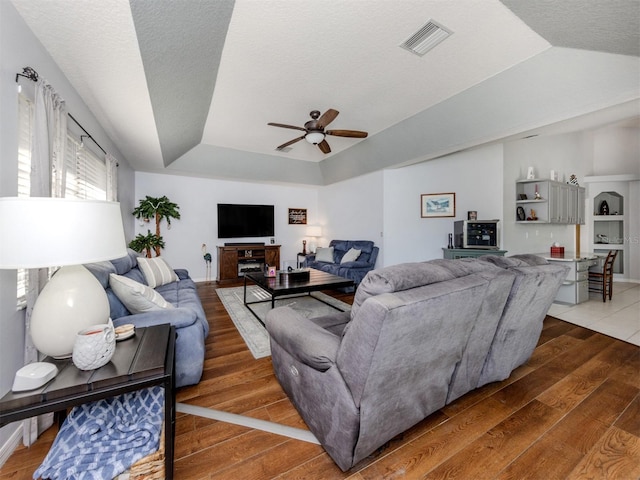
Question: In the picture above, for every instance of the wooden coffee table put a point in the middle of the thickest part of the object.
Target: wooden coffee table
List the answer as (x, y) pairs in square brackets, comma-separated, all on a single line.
[(318, 280)]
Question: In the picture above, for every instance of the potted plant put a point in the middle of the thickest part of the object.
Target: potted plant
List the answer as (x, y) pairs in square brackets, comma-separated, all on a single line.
[(158, 209), (147, 243)]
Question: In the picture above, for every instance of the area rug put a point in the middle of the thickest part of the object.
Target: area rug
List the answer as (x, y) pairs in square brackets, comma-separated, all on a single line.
[(251, 330)]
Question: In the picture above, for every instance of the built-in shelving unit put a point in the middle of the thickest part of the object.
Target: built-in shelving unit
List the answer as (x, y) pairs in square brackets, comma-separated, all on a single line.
[(608, 226), (547, 201), (618, 228)]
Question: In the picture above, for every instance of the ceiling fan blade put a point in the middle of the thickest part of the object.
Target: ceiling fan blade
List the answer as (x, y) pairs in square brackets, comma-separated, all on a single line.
[(327, 117), (324, 146), (282, 125), (290, 142), (347, 133)]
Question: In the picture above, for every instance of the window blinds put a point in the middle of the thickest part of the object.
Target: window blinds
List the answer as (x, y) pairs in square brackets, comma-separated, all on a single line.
[(86, 173)]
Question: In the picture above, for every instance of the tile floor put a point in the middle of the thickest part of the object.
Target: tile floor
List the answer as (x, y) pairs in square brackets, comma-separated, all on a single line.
[(619, 318)]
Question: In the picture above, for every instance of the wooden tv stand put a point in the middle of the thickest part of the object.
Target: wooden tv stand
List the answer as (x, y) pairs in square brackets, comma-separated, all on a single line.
[(234, 260)]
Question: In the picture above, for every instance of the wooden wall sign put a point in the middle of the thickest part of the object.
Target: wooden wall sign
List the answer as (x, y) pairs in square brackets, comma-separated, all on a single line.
[(297, 216)]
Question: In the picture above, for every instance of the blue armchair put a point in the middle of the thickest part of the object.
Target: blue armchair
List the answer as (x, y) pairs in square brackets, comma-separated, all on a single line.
[(353, 270)]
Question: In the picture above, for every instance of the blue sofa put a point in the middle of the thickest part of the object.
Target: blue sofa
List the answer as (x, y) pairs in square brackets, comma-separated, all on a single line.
[(188, 315), (355, 270)]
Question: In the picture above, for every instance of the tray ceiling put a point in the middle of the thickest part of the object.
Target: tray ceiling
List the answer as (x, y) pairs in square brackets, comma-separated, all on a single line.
[(189, 86)]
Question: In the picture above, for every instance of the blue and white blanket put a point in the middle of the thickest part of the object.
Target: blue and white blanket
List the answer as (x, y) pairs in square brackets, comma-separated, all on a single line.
[(102, 439)]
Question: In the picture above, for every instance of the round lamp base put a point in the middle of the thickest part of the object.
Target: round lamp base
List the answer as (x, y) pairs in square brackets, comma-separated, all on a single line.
[(71, 301)]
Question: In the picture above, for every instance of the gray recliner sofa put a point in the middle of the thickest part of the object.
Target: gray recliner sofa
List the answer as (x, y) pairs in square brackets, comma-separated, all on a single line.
[(418, 336), (354, 270)]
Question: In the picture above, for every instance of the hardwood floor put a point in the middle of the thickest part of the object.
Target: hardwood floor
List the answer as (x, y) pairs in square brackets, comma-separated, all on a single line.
[(572, 411)]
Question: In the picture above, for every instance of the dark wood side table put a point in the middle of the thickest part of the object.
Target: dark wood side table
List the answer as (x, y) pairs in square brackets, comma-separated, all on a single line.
[(145, 360), (300, 263)]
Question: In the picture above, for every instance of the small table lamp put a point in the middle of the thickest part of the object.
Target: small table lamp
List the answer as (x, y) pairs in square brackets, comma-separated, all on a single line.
[(42, 232), (313, 231)]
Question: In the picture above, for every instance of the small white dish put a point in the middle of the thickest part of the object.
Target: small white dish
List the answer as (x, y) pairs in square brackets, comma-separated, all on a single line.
[(125, 331)]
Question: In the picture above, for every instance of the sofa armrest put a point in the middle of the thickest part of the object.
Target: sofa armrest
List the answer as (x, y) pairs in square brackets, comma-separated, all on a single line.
[(301, 338), (178, 317), (181, 273), (334, 322)]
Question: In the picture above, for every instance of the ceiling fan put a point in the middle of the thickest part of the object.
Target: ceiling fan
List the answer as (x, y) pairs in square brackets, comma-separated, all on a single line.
[(315, 130)]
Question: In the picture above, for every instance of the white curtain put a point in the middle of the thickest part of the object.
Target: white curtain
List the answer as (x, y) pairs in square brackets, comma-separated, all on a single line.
[(47, 179), (112, 178)]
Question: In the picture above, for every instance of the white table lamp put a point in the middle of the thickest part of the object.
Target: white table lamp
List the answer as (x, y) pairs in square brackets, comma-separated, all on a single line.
[(42, 232), (313, 231)]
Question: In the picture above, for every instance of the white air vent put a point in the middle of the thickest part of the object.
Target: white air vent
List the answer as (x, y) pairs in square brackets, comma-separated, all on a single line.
[(429, 35)]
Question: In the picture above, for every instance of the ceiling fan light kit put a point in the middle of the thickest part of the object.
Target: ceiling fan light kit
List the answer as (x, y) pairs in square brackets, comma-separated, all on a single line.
[(314, 137), (315, 133)]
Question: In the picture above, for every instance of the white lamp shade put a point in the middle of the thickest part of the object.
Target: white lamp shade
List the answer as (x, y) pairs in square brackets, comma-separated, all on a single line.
[(47, 232), (314, 231), (41, 232)]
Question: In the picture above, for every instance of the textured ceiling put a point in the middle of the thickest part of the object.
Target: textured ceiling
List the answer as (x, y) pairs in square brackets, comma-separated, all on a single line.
[(189, 86)]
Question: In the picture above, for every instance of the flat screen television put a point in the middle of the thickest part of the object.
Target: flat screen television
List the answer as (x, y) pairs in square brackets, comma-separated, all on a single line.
[(238, 221)]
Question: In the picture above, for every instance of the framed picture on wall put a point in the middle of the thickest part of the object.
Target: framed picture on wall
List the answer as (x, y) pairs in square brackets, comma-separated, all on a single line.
[(437, 205), (297, 216)]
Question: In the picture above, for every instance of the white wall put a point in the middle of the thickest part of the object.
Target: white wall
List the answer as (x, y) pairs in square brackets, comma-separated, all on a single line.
[(616, 151), (198, 199), (475, 176), (353, 210)]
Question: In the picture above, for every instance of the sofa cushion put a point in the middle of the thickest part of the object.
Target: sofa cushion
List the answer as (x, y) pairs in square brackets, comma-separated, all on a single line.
[(324, 255), (126, 263), (156, 271), (396, 278), (351, 255), (138, 298), (101, 270)]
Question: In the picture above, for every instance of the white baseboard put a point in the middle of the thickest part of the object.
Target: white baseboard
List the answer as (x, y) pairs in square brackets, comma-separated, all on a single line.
[(11, 444)]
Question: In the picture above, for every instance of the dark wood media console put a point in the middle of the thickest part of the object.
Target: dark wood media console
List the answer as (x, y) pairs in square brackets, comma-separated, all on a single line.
[(235, 260)]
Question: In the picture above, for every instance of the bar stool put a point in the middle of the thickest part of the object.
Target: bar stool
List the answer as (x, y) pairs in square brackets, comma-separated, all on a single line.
[(602, 281)]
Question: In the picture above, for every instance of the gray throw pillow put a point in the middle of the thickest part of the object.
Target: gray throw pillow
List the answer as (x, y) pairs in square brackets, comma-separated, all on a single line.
[(324, 254)]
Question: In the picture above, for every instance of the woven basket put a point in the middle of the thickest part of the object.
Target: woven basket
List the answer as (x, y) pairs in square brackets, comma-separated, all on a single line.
[(151, 466)]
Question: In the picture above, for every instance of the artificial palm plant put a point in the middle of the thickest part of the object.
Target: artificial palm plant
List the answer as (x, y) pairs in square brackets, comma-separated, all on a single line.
[(158, 209)]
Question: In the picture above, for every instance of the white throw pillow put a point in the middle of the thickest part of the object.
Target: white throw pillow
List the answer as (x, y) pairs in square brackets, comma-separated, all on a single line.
[(156, 271), (351, 256), (324, 254), (138, 298)]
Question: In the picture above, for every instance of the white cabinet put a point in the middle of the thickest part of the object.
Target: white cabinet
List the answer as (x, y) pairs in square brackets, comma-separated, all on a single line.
[(580, 209), (546, 201), (575, 287)]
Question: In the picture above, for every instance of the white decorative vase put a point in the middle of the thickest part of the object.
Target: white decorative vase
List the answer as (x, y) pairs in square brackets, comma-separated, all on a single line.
[(94, 346)]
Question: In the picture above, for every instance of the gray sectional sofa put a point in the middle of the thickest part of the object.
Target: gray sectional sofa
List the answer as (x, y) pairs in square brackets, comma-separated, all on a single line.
[(182, 309), (418, 336)]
